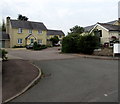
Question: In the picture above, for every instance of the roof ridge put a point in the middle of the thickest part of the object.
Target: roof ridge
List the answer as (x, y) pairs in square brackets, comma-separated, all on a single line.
[(25, 21)]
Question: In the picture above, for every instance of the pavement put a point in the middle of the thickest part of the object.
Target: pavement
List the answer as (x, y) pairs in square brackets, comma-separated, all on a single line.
[(17, 76)]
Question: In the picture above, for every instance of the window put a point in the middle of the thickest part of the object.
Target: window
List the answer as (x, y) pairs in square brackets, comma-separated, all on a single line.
[(100, 33), (39, 41), (19, 41), (30, 31), (19, 30), (31, 41), (39, 31), (60, 36)]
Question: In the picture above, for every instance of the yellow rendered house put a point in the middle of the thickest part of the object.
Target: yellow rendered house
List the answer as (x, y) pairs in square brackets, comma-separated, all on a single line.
[(22, 33), (52, 33)]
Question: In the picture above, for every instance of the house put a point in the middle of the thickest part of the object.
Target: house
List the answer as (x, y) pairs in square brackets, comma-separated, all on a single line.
[(52, 33), (4, 40), (106, 31), (23, 33)]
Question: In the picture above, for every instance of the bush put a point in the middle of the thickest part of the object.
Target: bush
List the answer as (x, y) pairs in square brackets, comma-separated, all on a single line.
[(79, 44), (36, 46), (18, 46), (3, 54), (69, 43), (87, 44), (54, 40)]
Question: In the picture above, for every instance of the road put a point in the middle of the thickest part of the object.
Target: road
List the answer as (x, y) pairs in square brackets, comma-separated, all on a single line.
[(75, 80)]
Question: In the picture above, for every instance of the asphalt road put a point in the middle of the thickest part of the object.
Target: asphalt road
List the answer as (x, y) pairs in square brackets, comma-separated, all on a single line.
[(75, 80)]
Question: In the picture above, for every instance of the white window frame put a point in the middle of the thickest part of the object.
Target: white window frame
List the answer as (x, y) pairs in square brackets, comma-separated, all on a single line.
[(39, 41), (39, 31), (19, 30), (30, 31), (20, 41)]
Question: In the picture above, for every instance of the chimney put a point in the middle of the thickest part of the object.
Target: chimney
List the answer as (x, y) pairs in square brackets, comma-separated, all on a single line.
[(7, 25)]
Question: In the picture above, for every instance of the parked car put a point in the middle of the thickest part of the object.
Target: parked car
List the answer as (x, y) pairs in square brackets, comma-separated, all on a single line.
[(57, 45), (30, 46)]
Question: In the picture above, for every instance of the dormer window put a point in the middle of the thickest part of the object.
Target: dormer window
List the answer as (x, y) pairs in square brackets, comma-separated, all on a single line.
[(39, 31), (19, 30), (30, 31)]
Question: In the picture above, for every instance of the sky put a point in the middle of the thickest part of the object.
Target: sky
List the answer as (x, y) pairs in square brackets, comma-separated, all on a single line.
[(62, 14)]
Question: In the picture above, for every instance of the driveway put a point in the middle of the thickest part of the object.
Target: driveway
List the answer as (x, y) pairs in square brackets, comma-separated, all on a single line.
[(47, 54), (75, 80)]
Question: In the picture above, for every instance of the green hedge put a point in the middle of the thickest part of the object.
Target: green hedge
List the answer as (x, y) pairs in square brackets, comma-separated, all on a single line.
[(79, 44), (36, 46), (18, 46)]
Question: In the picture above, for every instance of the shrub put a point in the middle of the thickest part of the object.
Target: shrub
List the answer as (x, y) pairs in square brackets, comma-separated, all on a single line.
[(87, 44), (54, 40), (79, 44), (69, 43), (18, 46), (37, 46), (3, 54)]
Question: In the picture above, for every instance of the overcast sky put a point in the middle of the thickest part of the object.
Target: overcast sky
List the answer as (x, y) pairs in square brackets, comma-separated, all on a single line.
[(62, 14)]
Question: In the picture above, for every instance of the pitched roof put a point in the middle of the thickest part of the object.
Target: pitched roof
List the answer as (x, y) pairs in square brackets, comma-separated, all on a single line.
[(4, 36), (89, 28), (28, 25), (110, 27), (55, 32), (30, 36), (112, 22)]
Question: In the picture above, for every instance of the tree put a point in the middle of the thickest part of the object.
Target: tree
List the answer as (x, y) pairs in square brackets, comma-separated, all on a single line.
[(54, 40), (21, 17), (79, 44), (3, 26), (76, 30)]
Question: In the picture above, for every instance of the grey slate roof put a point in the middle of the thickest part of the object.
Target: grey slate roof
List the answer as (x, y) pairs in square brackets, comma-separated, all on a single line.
[(4, 36), (88, 28), (110, 27), (112, 22), (55, 32), (28, 25)]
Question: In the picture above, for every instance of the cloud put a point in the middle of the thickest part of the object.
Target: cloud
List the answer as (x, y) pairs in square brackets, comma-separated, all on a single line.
[(62, 14)]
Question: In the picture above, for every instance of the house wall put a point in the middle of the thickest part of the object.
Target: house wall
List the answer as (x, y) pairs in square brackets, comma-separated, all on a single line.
[(113, 33), (105, 34), (15, 36), (117, 23), (7, 43), (51, 36)]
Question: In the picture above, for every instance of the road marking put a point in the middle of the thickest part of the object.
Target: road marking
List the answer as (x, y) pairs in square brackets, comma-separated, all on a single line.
[(105, 95)]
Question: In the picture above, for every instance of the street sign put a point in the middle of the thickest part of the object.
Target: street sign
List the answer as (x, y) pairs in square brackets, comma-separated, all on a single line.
[(116, 49)]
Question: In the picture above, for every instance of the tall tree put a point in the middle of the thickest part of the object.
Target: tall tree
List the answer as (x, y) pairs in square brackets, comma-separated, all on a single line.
[(76, 30), (21, 17)]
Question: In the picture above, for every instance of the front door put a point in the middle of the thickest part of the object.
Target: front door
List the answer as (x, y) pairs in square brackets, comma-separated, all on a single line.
[(31, 41)]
